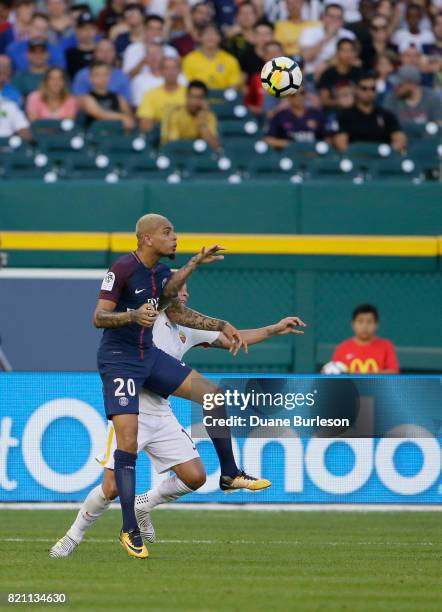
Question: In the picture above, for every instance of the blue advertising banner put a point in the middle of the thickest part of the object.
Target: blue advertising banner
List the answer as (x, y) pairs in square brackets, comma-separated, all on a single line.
[(52, 428)]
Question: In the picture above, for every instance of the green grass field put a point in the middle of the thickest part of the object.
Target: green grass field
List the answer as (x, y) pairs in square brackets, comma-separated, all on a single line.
[(227, 560)]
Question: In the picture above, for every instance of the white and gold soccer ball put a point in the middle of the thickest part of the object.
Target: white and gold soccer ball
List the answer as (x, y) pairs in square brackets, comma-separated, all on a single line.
[(281, 77), (334, 367)]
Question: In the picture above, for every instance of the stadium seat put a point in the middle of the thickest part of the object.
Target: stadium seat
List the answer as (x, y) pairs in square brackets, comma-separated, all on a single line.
[(22, 165), (241, 150), (144, 166), (396, 167), (209, 167), (428, 153), (271, 165), (332, 168), (304, 152), (418, 131), (99, 132), (125, 144), (238, 128), (180, 151), (84, 165)]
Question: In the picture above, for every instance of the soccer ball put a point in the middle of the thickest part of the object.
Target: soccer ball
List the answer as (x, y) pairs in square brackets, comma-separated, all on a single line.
[(281, 77), (334, 367)]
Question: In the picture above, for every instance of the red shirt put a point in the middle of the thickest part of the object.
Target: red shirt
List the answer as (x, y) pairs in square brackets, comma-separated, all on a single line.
[(377, 355)]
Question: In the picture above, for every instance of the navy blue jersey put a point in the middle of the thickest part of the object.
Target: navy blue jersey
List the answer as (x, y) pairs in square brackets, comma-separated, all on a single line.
[(129, 283)]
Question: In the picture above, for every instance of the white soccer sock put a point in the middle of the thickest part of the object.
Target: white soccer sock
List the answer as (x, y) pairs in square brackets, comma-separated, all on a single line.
[(95, 504), (167, 491)]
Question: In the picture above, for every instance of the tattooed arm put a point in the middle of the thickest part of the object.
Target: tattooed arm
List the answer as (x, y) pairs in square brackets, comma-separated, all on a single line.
[(178, 313), (178, 278), (255, 336), (104, 315)]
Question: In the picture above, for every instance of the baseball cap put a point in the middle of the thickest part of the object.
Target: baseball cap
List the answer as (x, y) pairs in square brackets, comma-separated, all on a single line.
[(406, 74), (34, 43), (85, 19)]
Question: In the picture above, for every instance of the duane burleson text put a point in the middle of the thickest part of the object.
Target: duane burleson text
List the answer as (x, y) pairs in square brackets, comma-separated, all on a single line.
[(256, 421)]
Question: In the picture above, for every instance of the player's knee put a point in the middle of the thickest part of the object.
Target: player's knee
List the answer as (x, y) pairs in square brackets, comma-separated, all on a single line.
[(127, 443), (196, 479), (109, 488)]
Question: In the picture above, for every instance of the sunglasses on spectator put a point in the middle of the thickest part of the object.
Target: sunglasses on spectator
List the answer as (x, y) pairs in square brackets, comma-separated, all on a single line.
[(378, 28), (367, 87)]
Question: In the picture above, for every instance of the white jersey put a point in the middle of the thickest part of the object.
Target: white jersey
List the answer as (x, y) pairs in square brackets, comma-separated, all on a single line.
[(175, 340)]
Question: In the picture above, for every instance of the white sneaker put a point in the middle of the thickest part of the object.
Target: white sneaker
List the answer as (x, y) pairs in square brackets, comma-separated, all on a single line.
[(142, 513), (63, 548)]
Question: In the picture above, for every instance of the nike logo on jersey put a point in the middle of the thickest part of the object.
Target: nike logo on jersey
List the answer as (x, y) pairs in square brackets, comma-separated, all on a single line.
[(137, 291)]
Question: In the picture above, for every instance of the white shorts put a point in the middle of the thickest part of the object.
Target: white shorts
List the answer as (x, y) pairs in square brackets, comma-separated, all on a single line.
[(163, 439)]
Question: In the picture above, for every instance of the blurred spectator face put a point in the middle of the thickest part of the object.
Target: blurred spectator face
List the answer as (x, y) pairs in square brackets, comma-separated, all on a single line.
[(263, 35), (38, 56), (105, 52), (297, 101), (134, 15), (170, 69), (365, 326), (384, 67), (411, 56), (5, 69), (367, 8), (99, 77), (86, 34), (333, 19), (294, 8), (24, 11), (4, 10), (385, 8), (246, 16), (366, 91), (56, 8), (55, 82), (154, 56), (178, 8), (413, 17), (210, 39), (346, 54), (39, 28), (378, 29), (437, 27), (345, 96), (409, 82), (259, 6), (272, 49), (154, 31), (201, 15), (196, 100)]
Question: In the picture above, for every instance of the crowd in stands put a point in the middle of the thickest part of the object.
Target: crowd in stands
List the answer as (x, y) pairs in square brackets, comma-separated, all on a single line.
[(371, 68)]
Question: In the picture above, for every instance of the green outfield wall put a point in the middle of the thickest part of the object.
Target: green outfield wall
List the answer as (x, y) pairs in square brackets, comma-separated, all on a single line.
[(264, 207)]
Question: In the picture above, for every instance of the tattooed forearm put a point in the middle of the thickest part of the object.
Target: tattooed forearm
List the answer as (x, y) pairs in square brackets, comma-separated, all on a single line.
[(191, 318), (176, 281), (104, 318)]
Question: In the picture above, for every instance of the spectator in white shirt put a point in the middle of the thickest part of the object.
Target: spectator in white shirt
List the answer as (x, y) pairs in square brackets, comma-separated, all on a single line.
[(318, 43), (151, 75), (135, 54), (13, 120), (413, 34)]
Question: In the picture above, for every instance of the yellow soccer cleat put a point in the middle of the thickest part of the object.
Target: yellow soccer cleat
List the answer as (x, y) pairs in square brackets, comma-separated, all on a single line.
[(243, 481), (132, 542)]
